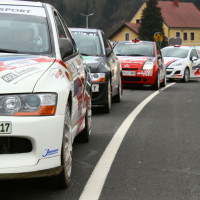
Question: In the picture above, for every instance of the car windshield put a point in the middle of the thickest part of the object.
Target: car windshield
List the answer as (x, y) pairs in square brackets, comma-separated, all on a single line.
[(23, 34), (175, 52), (88, 43), (134, 49)]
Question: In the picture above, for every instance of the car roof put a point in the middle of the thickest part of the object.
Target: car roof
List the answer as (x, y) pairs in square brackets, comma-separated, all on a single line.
[(179, 46), (135, 42), (21, 3), (93, 30)]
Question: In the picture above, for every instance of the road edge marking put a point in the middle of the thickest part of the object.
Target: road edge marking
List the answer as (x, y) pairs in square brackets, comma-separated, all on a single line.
[(95, 183)]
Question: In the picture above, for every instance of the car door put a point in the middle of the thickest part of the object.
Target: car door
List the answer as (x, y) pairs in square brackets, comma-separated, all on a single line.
[(113, 63), (195, 64), (160, 61), (78, 73)]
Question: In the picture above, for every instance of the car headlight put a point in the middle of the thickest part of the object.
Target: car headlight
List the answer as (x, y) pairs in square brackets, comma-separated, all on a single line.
[(176, 64), (98, 77), (28, 104), (148, 65)]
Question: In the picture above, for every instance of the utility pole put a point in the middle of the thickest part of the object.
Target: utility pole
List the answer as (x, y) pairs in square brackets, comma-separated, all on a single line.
[(87, 18)]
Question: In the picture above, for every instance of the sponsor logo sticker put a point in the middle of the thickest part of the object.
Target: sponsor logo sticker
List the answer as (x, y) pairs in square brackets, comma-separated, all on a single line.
[(49, 152)]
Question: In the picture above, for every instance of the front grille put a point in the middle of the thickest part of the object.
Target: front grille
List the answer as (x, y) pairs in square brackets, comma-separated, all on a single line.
[(131, 78), (177, 72), (13, 145), (168, 72), (129, 69)]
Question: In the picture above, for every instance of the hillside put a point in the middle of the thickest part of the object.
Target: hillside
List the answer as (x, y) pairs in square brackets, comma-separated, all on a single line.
[(108, 14)]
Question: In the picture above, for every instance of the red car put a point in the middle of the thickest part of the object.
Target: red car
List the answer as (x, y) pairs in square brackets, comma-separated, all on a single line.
[(142, 63)]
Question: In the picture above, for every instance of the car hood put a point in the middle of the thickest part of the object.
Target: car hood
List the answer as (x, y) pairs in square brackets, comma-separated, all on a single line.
[(133, 62), (19, 74), (169, 60), (93, 62)]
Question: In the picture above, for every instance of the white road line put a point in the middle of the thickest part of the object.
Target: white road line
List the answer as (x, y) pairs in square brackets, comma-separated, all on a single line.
[(97, 179)]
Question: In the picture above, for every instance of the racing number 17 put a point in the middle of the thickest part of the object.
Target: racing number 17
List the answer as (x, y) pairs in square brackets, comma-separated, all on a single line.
[(4, 127)]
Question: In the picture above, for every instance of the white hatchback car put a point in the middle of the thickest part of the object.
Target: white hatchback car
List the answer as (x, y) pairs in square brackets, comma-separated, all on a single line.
[(182, 62), (45, 90)]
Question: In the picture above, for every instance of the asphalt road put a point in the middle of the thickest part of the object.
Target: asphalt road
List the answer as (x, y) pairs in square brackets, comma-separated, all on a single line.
[(159, 158)]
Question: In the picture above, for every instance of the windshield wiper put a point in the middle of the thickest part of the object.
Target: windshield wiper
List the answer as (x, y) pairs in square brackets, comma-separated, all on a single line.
[(136, 55), (120, 54), (8, 51), (84, 54)]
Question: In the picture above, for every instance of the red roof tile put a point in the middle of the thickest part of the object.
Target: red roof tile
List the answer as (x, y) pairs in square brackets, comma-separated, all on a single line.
[(133, 26), (184, 15)]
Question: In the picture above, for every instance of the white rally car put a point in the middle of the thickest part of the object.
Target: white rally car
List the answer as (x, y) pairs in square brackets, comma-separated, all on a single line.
[(45, 93), (182, 62)]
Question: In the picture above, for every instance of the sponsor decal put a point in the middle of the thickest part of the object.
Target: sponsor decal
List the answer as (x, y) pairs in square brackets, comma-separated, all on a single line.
[(140, 73), (90, 59), (9, 77), (9, 63), (17, 73), (146, 72), (170, 62), (6, 9), (58, 74), (19, 63), (49, 152), (76, 87), (22, 10), (25, 70), (196, 69), (28, 75), (126, 65), (84, 33)]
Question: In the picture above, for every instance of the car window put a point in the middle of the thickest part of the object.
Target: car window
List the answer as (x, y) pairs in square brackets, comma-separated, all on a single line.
[(158, 50), (88, 43), (106, 41), (193, 53), (134, 49), (175, 52), (60, 29), (26, 34)]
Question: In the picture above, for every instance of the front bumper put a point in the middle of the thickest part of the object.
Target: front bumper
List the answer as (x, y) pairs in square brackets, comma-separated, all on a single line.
[(100, 96), (31, 174), (175, 73), (141, 77), (45, 135)]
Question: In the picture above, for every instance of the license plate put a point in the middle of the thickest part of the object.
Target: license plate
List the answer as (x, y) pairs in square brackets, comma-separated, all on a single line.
[(95, 87), (129, 73), (5, 127)]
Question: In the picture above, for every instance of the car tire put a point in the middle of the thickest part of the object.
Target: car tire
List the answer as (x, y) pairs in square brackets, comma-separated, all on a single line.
[(156, 85), (186, 75), (84, 135), (108, 104), (118, 97), (164, 83), (63, 179)]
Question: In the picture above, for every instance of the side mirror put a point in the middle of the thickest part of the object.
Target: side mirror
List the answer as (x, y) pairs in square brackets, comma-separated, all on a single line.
[(193, 58), (159, 57), (108, 51), (66, 47), (88, 68)]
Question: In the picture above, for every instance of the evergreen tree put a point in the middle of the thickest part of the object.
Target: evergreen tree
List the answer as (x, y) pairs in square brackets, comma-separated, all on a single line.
[(151, 21)]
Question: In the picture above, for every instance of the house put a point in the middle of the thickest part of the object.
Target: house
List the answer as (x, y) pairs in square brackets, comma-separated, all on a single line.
[(181, 20)]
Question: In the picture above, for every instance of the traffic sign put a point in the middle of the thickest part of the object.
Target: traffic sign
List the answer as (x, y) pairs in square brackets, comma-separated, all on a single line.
[(158, 37)]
